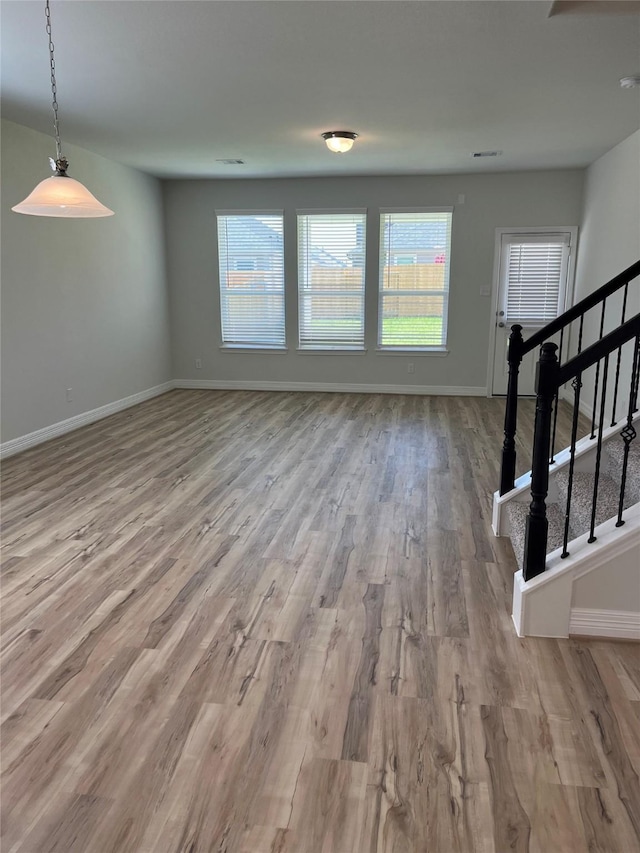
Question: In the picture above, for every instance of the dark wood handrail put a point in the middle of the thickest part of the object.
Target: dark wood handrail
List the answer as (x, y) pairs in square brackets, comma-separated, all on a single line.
[(549, 377), (579, 308), (605, 346), (518, 348)]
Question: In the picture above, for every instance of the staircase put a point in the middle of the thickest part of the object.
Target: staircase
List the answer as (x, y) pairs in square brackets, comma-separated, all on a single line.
[(574, 519), (582, 499)]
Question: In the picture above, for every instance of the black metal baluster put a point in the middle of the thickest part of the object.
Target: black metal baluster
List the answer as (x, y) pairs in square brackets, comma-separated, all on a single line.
[(555, 405), (615, 389), (580, 330), (514, 357), (636, 369), (596, 482), (576, 385), (595, 389), (628, 432), (536, 534)]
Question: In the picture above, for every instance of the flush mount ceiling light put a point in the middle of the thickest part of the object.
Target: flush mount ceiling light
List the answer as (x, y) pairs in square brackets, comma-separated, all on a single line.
[(339, 141), (60, 195), (630, 82)]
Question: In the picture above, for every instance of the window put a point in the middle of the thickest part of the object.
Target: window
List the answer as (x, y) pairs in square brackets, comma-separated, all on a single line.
[(331, 259), (414, 279), (251, 259), (533, 277)]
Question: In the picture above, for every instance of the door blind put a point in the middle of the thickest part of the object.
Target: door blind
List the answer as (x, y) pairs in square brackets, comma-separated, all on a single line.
[(251, 261), (535, 272), (331, 266)]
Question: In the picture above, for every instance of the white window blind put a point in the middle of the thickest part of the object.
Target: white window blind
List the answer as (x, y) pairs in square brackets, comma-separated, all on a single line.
[(534, 272), (251, 260), (414, 279), (331, 263)]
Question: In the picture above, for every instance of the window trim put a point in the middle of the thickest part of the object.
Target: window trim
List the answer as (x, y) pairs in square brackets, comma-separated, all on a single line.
[(258, 348), (439, 352), (438, 349), (331, 350), (251, 212)]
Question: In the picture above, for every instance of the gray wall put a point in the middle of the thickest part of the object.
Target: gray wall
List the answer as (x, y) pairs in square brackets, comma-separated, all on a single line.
[(84, 302), (609, 242), (520, 199), (615, 586)]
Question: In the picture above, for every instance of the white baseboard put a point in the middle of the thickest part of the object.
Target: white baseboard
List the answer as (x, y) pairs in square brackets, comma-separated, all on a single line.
[(333, 387), (616, 624), (24, 442)]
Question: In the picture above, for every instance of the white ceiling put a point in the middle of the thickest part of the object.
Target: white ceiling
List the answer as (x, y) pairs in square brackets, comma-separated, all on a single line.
[(170, 87)]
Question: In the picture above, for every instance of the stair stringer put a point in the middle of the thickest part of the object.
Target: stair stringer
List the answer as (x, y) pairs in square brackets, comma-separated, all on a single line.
[(542, 607)]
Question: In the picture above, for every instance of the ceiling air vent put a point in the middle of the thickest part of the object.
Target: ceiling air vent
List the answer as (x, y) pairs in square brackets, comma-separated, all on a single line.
[(231, 162), (486, 153)]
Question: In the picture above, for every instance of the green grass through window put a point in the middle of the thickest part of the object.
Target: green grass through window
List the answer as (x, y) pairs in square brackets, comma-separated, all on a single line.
[(412, 331), (396, 331)]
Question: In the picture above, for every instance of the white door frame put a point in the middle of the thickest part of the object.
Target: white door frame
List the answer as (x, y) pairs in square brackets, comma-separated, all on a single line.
[(495, 286)]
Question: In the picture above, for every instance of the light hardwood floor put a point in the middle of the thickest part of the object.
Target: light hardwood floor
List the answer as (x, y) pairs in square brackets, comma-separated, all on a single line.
[(265, 623)]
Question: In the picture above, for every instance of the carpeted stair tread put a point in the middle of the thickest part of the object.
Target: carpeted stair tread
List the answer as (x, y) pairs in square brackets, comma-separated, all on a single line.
[(615, 451), (517, 514), (582, 498)]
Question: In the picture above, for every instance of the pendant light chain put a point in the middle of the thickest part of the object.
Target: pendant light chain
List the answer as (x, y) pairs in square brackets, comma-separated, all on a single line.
[(61, 162), (60, 195)]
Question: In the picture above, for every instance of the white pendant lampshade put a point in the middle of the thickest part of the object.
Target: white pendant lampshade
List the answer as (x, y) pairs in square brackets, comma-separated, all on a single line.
[(62, 196), (339, 141)]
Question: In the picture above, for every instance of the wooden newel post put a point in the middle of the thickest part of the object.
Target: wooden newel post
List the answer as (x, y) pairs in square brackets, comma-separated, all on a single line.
[(535, 542), (514, 357)]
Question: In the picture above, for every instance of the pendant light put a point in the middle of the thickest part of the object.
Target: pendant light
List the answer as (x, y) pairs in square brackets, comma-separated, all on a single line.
[(60, 195)]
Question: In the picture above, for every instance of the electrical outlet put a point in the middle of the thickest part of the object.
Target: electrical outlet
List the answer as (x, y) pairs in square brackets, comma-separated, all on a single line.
[(485, 290), (69, 395), (198, 364), (411, 368)]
